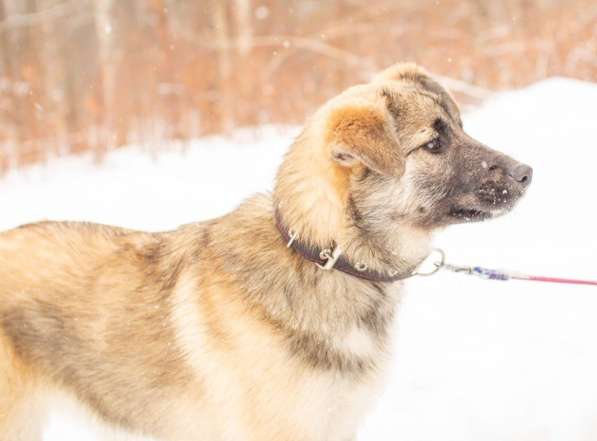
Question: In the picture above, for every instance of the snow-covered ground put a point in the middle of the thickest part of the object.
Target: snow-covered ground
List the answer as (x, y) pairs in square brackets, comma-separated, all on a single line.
[(475, 360)]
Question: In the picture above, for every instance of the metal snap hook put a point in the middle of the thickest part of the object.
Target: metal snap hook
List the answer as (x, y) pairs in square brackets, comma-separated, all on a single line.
[(437, 252)]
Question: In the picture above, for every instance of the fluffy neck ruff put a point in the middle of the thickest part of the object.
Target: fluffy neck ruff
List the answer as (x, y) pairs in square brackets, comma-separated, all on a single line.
[(313, 198)]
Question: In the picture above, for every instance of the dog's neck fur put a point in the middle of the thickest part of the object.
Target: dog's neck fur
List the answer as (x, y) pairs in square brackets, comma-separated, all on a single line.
[(320, 313), (312, 196)]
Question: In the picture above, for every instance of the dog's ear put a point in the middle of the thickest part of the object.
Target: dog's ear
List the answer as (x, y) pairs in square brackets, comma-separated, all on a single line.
[(365, 134)]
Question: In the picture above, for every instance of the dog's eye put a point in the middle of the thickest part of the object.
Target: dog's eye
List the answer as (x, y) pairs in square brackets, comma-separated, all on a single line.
[(433, 146)]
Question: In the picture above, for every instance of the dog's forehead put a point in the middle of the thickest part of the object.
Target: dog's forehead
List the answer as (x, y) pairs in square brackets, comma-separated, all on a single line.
[(415, 99), (421, 101)]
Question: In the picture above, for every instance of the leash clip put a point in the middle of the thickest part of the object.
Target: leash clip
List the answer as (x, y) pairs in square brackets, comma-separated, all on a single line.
[(438, 265), (468, 270)]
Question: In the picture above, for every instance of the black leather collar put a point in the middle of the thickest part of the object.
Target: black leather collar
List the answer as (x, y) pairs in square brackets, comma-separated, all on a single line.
[(330, 258)]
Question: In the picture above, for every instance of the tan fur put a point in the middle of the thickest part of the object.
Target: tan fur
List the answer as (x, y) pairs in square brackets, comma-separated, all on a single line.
[(22, 402), (367, 134), (217, 330)]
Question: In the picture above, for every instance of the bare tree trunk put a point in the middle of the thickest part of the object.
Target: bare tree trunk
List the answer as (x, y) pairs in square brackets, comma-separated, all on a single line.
[(244, 66), (168, 96), (52, 108), (28, 73), (104, 31), (9, 131), (243, 22), (220, 18)]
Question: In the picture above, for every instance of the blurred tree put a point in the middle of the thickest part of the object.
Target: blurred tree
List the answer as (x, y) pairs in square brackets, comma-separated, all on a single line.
[(78, 75)]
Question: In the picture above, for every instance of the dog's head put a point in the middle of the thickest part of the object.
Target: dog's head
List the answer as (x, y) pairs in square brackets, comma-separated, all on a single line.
[(401, 141)]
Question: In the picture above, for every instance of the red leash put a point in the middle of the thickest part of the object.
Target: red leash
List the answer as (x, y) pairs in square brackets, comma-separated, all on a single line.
[(553, 280), (492, 274)]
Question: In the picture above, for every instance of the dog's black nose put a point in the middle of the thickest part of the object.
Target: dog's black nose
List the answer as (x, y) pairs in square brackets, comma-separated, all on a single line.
[(521, 173)]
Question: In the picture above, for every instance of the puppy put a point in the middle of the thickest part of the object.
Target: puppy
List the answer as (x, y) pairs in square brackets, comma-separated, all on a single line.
[(269, 323)]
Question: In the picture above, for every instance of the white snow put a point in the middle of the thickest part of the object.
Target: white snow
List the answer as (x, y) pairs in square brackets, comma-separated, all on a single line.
[(475, 360)]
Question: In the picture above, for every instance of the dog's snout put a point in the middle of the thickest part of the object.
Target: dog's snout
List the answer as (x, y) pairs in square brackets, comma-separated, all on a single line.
[(521, 173)]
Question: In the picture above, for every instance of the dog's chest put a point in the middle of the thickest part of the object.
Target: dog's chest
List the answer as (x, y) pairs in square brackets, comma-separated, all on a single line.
[(269, 393), (268, 382), (336, 413)]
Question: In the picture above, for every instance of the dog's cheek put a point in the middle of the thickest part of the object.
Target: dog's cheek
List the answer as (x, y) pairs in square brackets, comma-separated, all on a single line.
[(424, 190), (402, 196), (433, 182)]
